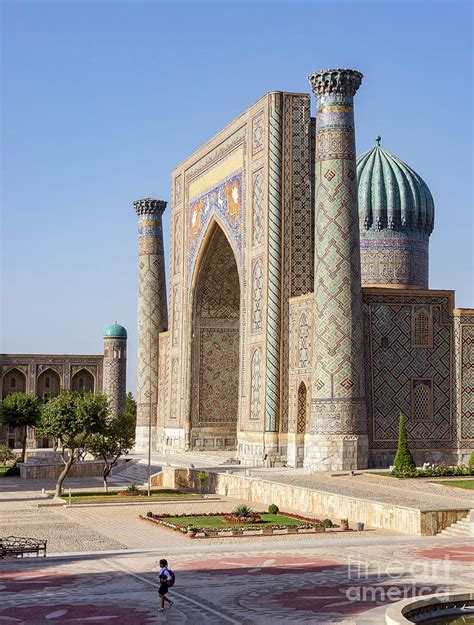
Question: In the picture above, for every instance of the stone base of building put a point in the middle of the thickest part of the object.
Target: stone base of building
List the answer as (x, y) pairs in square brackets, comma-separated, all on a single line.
[(142, 439), (213, 439), (295, 450), (172, 440), (336, 452), (259, 449)]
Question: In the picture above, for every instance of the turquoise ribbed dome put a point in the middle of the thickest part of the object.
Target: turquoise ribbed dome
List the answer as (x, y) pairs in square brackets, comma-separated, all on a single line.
[(391, 195), (115, 331)]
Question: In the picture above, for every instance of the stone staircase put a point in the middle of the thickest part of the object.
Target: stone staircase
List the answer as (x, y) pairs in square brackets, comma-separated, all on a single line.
[(200, 459), (135, 471), (460, 529)]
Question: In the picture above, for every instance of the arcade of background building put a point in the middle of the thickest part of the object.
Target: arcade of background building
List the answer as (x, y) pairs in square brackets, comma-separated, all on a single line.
[(45, 375)]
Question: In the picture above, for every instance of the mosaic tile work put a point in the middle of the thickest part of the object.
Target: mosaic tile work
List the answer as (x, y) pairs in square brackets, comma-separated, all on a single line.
[(215, 382), (152, 309), (224, 200), (256, 389), (392, 371), (272, 397), (396, 219), (338, 394), (467, 379)]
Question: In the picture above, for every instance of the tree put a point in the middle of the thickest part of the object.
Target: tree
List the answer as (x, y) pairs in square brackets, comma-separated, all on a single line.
[(403, 462), (5, 454), (20, 410), (114, 440), (72, 417), (131, 406), (202, 478)]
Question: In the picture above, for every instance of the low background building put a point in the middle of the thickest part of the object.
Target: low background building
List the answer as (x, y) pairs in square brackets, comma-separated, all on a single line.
[(45, 375)]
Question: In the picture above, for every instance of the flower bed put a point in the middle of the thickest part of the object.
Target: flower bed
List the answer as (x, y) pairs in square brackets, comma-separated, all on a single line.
[(436, 470), (210, 525)]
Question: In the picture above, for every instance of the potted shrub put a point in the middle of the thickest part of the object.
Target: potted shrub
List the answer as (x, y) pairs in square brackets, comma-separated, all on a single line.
[(192, 531), (344, 524), (273, 509)]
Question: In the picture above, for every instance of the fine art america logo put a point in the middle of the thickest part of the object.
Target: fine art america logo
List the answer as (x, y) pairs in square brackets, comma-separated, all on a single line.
[(394, 580)]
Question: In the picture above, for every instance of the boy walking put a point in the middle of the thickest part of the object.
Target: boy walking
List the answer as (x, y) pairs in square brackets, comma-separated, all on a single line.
[(166, 578)]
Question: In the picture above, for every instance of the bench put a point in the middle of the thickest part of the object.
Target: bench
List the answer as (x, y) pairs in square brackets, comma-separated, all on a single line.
[(18, 546)]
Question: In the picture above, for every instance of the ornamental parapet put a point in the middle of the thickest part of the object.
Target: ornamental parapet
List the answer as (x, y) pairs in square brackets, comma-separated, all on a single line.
[(149, 206), (331, 81)]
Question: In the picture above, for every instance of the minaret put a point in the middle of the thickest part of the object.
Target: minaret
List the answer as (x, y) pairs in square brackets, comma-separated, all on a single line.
[(152, 313), (115, 367), (338, 434)]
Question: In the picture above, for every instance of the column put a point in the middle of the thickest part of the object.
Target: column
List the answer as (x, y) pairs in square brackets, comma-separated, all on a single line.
[(152, 314), (338, 430)]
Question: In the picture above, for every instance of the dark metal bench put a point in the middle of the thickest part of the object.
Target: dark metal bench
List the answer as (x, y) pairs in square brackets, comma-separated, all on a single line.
[(18, 546)]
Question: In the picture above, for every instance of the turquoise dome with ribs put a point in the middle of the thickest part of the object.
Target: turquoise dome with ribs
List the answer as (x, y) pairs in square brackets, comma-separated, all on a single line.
[(396, 217)]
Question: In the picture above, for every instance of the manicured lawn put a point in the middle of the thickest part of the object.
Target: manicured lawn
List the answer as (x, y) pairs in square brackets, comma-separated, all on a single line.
[(469, 484), (113, 497), (218, 521)]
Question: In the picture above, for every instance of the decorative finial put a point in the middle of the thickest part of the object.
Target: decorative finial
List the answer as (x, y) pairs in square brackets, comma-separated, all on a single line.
[(378, 139)]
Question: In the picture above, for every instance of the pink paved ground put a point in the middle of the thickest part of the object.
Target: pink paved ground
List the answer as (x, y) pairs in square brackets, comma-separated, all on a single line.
[(263, 584)]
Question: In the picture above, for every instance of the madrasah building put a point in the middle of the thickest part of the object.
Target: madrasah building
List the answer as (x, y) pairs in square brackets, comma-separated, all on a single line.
[(300, 321)]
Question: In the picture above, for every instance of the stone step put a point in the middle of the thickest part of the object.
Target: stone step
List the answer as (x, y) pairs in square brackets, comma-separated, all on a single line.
[(461, 528)]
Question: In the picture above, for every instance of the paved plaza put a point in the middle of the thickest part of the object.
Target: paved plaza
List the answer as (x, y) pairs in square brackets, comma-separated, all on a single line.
[(101, 564), (344, 582)]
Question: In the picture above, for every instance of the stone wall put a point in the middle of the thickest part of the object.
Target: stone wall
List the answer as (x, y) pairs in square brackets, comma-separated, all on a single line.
[(85, 468), (305, 501)]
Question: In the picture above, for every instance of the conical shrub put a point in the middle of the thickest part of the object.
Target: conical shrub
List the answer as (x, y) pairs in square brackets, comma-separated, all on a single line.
[(403, 462)]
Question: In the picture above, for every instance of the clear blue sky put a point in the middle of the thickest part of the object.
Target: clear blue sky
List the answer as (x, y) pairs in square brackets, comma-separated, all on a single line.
[(102, 99)]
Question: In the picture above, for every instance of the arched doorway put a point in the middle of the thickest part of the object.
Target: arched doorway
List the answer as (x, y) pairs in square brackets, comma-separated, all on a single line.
[(215, 347), (83, 380), (14, 381), (48, 384)]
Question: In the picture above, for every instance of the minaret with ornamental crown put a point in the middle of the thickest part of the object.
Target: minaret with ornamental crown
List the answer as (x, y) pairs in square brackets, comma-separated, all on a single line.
[(152, 314), (338, 432)]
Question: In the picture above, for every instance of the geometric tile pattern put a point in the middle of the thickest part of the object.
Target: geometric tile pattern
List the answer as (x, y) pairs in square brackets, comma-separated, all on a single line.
[(303, 352), (256, 385), (257, 286), (301, 417), (272, 397), (338, 394), (467, 380), (393, 371), (152, 306), (258, 219)]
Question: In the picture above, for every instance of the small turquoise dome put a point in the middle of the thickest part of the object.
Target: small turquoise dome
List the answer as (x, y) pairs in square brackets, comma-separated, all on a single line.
[(391, 195), (115, 331)]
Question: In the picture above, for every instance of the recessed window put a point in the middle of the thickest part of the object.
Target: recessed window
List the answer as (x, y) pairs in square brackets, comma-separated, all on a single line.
[(12, 382), (384, 342), (422, 329), (47, 383), (81, 384), (422, 399)]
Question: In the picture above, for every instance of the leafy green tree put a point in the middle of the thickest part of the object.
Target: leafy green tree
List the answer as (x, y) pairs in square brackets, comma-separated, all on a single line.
[(20, 410), (403, 462), (114, 440), (5, 454), (72, 417), (131, 406)]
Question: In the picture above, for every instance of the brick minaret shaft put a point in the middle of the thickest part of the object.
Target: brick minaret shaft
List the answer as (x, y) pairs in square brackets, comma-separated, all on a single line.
[(339, 415), (152, 313)]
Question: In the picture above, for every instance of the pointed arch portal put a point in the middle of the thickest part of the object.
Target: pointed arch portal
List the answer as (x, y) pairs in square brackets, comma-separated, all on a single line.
[(215, 347)]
